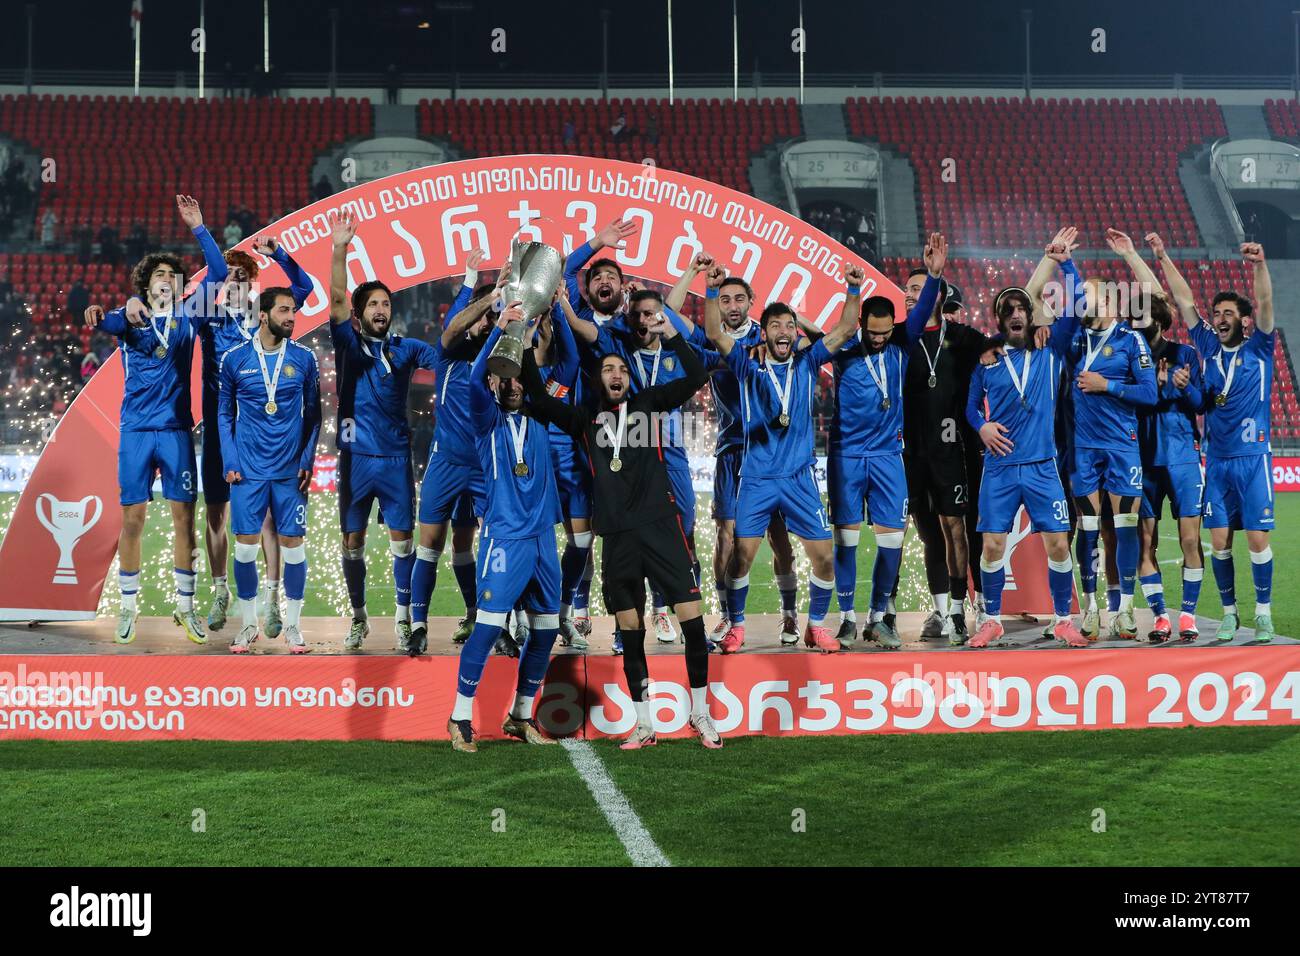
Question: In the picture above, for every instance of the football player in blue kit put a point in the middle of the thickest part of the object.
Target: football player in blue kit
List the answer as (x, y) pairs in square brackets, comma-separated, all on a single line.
[(1113, 376), (232, 322), (1011, 405), (373, 371), (517, 551), (1238, 453), (451, 492), (269, 414), (735, 297), (156, 420), (777, 467), (864, 460), (1169, 440)]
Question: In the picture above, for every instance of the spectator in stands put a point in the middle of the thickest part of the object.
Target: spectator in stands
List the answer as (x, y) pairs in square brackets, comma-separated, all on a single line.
[(49, 225), (618, 129), (247, 220), (6, 286), (323, 189), (232, 234), (258, 82), (110, 250), (652, 129), (78, 299), (570, 134), (392, 83), (85, 244), (137, 241)]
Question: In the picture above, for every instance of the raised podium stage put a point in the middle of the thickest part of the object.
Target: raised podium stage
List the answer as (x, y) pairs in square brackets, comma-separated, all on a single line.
[(71, 681)]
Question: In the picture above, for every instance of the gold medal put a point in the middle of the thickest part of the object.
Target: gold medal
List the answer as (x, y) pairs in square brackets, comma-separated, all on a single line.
[(160, 352), (270, 408), (784, 420), (616, 464), (521, 470), (1220, 399), (884, 404)]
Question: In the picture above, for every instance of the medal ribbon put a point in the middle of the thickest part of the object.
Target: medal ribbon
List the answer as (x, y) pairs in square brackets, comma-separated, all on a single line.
[(270, 381), (518, 435), (616, 441), (943, 330), (1091, 352), (1021, 382), (783, 394), (1230, 374), (881, 378), (654, 371)]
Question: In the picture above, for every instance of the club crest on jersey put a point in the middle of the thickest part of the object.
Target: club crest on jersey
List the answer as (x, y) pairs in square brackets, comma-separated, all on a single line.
[(487, 595), (289, 372), (669, 364), (1108, 351)]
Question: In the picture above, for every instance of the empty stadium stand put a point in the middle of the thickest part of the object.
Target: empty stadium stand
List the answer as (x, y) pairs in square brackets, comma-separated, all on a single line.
[(706, 138), (1021, 167)]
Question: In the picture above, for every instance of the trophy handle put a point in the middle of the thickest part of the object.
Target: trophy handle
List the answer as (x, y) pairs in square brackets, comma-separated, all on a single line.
[(40, 515), (99, 510)]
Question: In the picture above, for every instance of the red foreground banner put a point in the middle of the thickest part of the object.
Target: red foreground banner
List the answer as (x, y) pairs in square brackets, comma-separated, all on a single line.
[(787, 694)]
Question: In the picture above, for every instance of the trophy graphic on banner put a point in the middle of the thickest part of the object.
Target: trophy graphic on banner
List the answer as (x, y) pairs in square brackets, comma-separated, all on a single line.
[(67, 522), (535, 271)]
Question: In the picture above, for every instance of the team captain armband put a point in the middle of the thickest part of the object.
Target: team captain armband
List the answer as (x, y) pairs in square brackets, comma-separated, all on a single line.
[(555, 389)]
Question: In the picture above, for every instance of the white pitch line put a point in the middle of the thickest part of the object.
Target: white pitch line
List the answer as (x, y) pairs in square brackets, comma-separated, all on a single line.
[(636, 839)]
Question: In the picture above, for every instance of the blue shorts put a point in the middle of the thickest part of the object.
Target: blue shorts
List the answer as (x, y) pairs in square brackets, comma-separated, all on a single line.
[(879, 481), (1183, 485), (250, 499), (519, 568), (451, 491), (213, 469), (726, 479), (1035, 484), (1239, 493), (365, 478), (795, 497), (679, 479), (141, 454), (572, 481), (1119, 472)]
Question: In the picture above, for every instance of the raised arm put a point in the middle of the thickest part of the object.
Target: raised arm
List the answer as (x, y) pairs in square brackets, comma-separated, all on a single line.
[(935, 257), (713, 312), (564, 348), (1058, 252), (299, 281), (461, 321), (676, 297), (613, 235), (674, 394), (226, 419), (342, 228), (1179, 290), (545, 407), (480, 396), (1253, 253), (851, 312), (202, 301), (1122, 244)]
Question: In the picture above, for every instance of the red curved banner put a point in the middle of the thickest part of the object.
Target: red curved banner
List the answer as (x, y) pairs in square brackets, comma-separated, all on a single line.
[(417, 227)]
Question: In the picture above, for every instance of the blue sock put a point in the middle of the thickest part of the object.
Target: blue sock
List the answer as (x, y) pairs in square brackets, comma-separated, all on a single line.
[(295, 577), (535, 659), (246, 579), (424, 577), (354, 575), (403, 568), (993, 582), (582, 594), (657, 598), (473, 657), (1153, 589), (885, 571), (737, 595), (1225, 576), (1261, 569), (1192, 588), (1127, 550), (463, 566), (846, 570), (1060, 581), (184, 588), (573, 565), (819, 599), (1086, 554), (1112, 598)]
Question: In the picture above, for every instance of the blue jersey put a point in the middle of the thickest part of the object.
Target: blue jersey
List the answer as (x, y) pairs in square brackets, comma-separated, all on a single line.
[(262, 445), (373, 377), (1030, 422), (518, 506), (1239, 425), (572, 267), (773, 450), (226, 326), (156, 391), (1108, 420), (1167, 432), (722, 382), (868, 419), (453, 432)]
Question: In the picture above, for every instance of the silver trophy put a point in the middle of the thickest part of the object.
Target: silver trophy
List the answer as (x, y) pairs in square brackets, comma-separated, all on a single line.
[(535, 271)]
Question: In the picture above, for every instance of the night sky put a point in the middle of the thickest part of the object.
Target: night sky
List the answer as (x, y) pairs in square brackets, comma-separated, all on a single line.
[(941, 36)]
